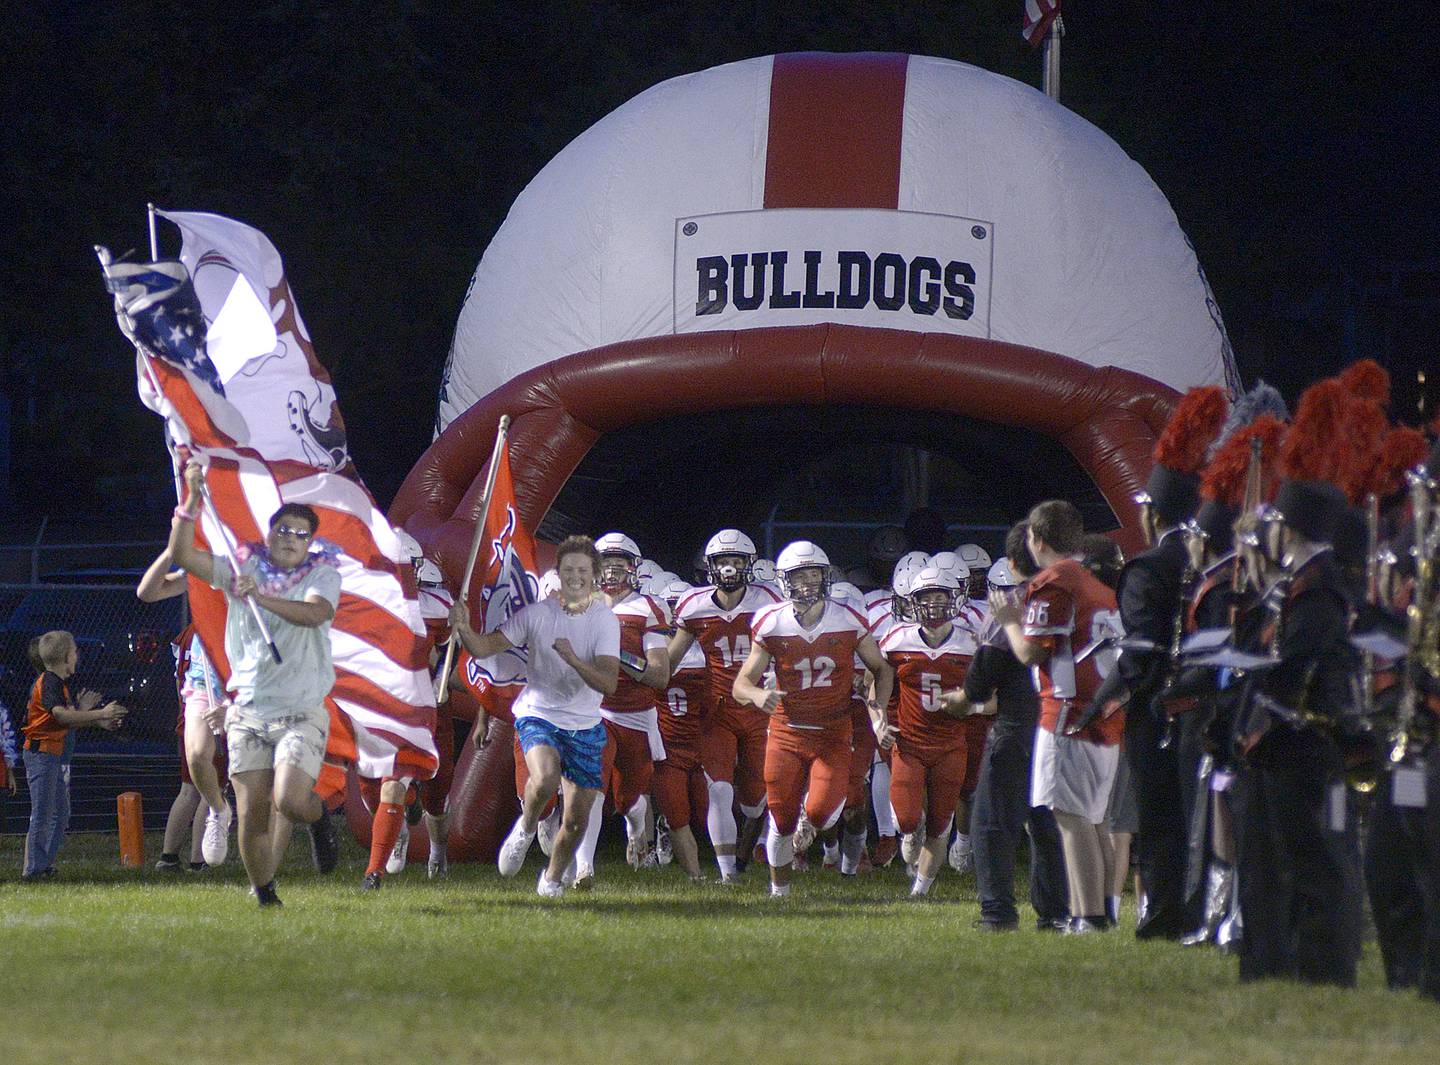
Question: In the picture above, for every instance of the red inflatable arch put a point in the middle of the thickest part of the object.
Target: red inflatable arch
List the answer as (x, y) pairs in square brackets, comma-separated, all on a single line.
[(1107, 418)]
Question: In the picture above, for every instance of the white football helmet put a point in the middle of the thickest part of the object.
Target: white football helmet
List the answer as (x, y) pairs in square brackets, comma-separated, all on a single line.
[(905, 572), (1002, 576), (935, 595), (728, 542), (796, 558), (660, 580), (647, 569), (978, 559), (763, 570), (619, 563), (846, 593), (953, 564), (671, 589)]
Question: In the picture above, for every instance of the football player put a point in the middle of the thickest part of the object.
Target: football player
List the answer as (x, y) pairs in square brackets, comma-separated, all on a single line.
[(633, 742), (812, 641), (678, 786), (718, 617), (936, 760)]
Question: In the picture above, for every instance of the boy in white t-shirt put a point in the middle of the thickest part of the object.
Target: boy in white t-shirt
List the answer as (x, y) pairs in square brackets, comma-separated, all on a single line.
[(573, 651)]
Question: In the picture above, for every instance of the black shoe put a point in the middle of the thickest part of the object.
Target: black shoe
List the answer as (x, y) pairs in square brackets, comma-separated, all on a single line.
[(372, 882), (324, 845), (1051, 924), (984, 925), (196, 867), (266, 895), (168, 863)]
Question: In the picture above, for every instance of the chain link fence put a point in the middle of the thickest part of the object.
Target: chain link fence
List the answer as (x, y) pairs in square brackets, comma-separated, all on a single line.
[(124, 654)]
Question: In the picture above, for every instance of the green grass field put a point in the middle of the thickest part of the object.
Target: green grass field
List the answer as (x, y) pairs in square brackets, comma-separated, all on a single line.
[(105, 965)]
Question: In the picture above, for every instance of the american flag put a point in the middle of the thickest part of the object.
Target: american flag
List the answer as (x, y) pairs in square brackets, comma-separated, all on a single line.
[(223, 356), (1038, 16)]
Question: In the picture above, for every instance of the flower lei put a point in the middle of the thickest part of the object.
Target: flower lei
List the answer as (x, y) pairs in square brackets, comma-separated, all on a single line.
[(271, 579)]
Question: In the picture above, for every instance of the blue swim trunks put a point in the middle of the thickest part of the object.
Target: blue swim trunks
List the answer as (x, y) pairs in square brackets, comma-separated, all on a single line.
[(581, 750)]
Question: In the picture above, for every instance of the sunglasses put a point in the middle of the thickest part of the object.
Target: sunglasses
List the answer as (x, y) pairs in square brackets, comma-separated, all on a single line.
[(294, 534)]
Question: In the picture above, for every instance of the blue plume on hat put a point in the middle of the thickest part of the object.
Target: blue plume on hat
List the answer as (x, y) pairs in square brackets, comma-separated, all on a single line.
[(1262, 399)]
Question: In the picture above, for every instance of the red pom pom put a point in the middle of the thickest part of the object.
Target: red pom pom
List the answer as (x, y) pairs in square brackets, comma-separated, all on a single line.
[(1195, 423), (1367, 379), (1224, 479)]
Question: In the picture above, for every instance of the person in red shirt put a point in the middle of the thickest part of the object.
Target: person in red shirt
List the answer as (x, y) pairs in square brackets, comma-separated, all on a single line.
[(813, 642), (718, 617), (678, 787), (1062, 631), (936, 760)]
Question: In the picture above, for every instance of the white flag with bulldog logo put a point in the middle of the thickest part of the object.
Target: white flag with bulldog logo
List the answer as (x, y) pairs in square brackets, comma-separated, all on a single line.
[(265, 365)]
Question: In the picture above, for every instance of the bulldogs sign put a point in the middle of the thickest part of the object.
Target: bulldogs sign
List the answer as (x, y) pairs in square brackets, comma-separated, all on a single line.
[(894, 269)]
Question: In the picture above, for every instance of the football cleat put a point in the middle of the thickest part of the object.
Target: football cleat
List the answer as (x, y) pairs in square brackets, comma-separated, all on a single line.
[(395, 864)]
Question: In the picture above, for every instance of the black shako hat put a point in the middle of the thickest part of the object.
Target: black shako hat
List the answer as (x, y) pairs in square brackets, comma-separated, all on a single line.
[(1312, 508)]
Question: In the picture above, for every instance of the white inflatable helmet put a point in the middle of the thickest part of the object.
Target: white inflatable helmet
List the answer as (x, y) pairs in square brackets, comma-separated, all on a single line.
[(802, 554), (729, 542), (934, 610), (549, 583), (615, 579), (1002, 576)]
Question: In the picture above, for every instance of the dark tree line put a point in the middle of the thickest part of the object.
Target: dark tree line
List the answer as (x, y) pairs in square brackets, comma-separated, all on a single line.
[(380, 145)]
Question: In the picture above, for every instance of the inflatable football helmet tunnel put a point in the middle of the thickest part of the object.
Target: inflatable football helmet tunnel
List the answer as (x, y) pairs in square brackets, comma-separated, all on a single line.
[(764, 268)]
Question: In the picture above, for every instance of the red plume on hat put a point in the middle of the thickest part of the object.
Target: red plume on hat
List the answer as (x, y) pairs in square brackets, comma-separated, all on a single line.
[(1403, 449), (1367, 379), (1194, 424), (1224, 480), (1364, 432), (1313, 447)]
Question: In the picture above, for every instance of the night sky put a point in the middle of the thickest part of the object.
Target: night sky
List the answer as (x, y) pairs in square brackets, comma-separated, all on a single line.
[(380, 145)]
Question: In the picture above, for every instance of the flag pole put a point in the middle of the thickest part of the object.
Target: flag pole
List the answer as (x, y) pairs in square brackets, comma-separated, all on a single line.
[(1052, 58), (442, 686), (154, 240)]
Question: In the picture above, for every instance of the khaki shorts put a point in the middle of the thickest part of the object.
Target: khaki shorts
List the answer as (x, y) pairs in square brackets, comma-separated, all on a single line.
[(267, 741)]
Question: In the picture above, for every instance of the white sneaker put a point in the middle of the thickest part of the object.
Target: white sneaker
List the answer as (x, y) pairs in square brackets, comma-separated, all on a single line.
[(584, 877), (664, 850), (960, 856), (514, 849), (547, 830), (438, 867), (804, 834), (215, 844), (547, 888), (400, 852), (910, 847)]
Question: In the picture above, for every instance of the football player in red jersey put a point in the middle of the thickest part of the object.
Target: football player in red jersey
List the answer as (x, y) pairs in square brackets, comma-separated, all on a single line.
[(813, 642), (678, 787), (634, 743), (936, 761), (1068, 617), (718, 617)]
